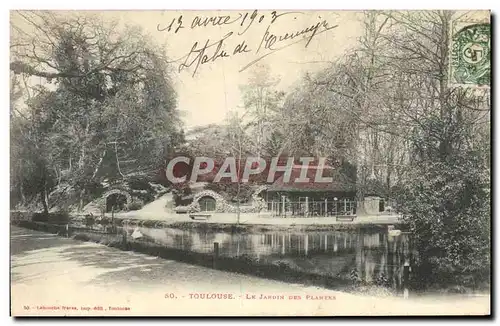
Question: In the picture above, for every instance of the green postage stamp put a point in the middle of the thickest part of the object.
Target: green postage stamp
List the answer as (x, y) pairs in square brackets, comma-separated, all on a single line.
[(470, 55)]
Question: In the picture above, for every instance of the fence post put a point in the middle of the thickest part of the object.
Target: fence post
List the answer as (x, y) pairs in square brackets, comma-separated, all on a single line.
[(67, 230), (216, 255), (112, 221), (406, 279), (124, 238), (283, 206)]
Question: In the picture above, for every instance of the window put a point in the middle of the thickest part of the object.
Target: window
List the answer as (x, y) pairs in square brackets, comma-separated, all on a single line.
[(207, 203)]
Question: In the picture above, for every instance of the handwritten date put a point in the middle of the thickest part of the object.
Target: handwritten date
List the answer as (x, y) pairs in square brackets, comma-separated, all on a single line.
[(210, 51), (246, 20)]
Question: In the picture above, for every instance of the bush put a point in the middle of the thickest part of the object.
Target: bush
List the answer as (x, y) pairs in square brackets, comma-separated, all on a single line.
[(447, 207), (182, 196), (139, 183), (61, 217), (89, 220), (144, 196), (136, 204), (40, 217), (229, 191)]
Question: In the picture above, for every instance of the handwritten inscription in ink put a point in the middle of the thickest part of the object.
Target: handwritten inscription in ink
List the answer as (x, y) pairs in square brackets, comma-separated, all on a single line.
[(235, 26)]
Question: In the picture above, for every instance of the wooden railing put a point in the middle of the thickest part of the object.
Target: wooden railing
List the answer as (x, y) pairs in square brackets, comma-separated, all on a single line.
[(312, 208)]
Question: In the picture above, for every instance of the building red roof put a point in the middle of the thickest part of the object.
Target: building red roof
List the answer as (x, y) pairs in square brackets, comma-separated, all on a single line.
[(340, 183)]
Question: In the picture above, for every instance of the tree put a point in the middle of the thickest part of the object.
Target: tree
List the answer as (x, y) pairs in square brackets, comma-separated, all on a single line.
[(387, 106), (262, 103), (106, 107), (237, 144), (447, 208), (445, 198)]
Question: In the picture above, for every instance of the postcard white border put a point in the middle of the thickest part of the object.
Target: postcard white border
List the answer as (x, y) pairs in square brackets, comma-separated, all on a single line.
[(190, 4)]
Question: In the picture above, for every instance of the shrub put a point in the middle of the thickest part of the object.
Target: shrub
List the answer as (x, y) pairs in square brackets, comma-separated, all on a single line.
[(139, 183), (136, 204), (89, 220), (182, 196), (40, 217), (60, 217), (229, 191), (447, 207), (144, 196)]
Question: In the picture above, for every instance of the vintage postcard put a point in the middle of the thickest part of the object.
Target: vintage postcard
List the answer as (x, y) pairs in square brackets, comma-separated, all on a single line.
[(250, 163)]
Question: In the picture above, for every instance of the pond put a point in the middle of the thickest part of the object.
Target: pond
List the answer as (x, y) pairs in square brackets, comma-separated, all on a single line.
[(366, 255)]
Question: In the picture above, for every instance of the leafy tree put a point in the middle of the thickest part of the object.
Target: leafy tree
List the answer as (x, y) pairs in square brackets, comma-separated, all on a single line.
[(106, 108), (262, 104), (387, 107), (445, 198), (446, 204)]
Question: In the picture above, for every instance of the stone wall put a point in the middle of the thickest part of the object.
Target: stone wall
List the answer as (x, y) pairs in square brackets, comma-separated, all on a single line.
[(98, 205), (223, 206)]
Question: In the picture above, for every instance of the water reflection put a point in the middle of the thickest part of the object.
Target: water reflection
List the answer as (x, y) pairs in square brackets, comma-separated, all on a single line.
[(363, 255)]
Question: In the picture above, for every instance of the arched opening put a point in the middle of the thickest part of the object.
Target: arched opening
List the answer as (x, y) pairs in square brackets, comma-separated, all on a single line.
[(207, 204), (381, 205), (116, 202)]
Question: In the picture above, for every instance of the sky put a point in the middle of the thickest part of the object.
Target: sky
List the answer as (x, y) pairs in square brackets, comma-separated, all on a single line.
[(206, 95), (209, 87)]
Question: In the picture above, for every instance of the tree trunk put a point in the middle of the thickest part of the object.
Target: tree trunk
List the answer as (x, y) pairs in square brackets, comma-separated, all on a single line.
[(80, 205), (81, 160), (117, 160), (21, 191), (444, 144), (238, 193), (21, 188), (99, 164), (45, 200)]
